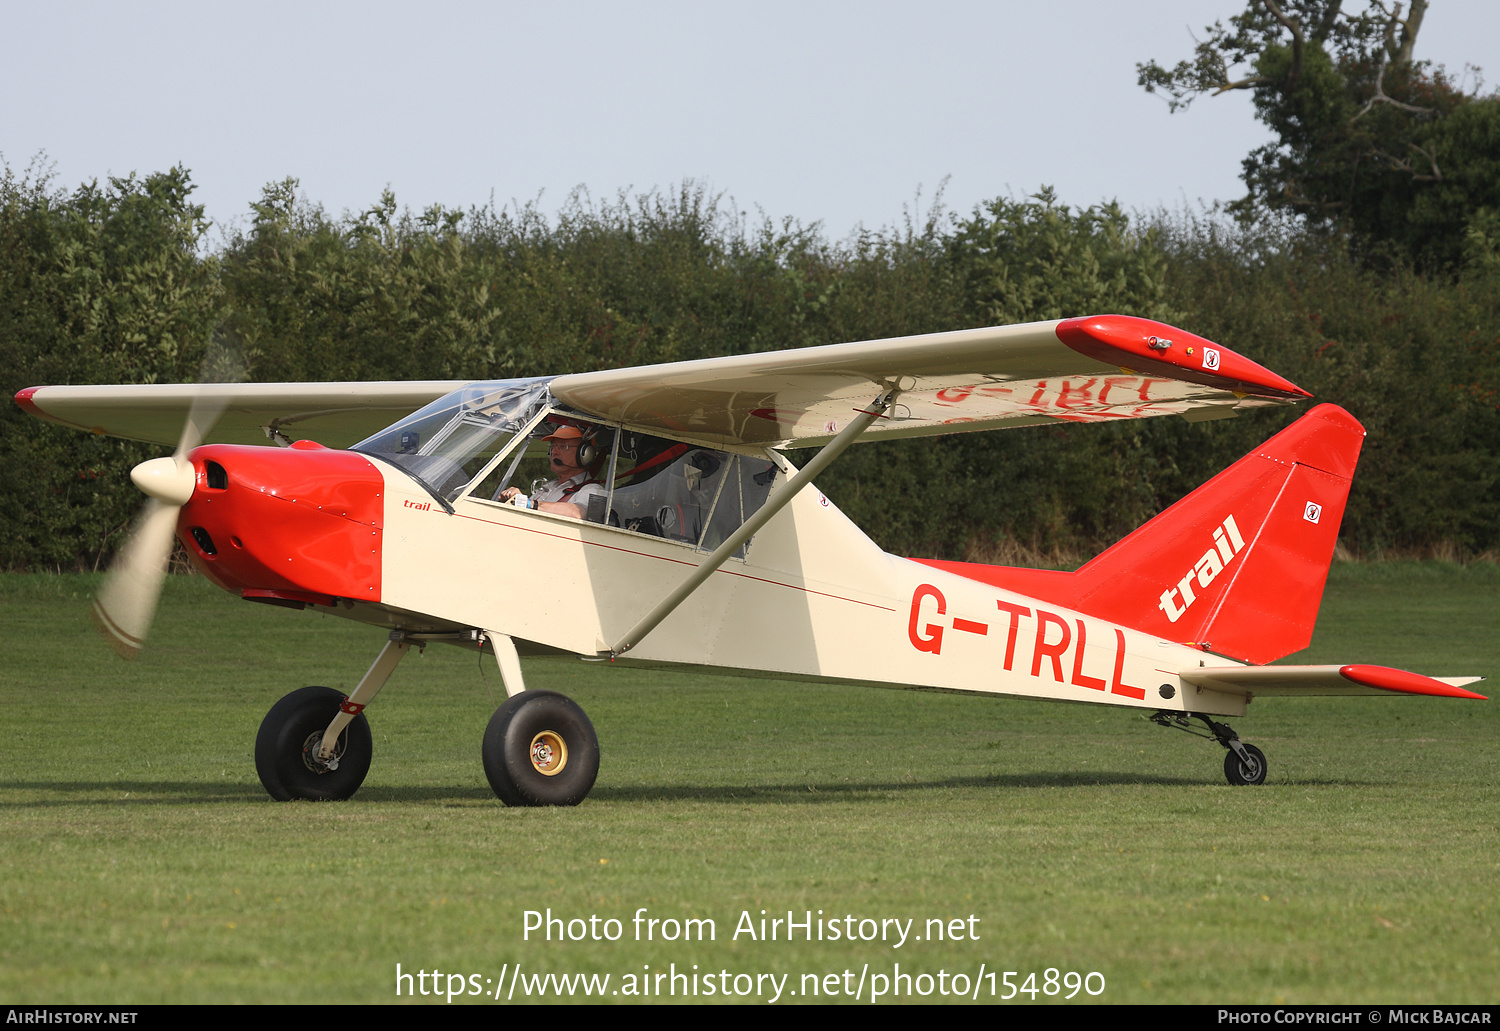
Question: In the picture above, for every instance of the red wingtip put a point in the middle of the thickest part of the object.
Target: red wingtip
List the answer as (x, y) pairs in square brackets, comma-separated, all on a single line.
[(1388, 679), (26, 400), (1156, 348), (23, 398)]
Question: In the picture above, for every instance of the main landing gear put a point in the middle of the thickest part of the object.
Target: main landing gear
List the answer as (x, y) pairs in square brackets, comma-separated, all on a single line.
[(286, 749), (540, 748), (1244, 764)]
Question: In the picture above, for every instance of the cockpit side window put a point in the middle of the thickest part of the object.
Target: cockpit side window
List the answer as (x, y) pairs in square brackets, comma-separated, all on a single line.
[(746, 485), (487, 437), (684, 492)]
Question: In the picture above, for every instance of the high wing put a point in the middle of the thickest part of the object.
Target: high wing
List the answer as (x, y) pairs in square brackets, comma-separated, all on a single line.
[(1091, 369), (334, 414), (1076, 370)]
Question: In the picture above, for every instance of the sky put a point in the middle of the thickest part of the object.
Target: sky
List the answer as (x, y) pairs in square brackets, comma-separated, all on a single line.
[(847, 114)]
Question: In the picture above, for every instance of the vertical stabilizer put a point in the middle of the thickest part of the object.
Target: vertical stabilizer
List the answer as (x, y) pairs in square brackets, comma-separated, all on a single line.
[(1238, 566)]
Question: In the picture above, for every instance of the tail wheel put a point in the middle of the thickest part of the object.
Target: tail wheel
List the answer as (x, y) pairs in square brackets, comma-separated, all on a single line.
[(1249, 770), (540, 749), (286, 749)]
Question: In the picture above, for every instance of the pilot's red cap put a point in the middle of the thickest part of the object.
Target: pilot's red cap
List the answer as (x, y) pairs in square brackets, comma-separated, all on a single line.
[(566, 434)]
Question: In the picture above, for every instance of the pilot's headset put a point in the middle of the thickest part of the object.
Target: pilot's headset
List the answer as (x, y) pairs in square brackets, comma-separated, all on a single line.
[(591, 444), (588, 448), (594, 446)]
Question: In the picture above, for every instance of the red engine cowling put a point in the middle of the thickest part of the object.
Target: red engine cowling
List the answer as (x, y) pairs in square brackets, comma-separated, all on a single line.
[(291, 525)]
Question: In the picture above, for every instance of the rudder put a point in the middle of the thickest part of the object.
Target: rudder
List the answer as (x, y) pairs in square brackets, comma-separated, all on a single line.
[(1238, 566)]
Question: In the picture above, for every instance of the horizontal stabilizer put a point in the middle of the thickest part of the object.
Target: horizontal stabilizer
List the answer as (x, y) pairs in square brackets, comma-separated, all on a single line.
[(1325, 680)]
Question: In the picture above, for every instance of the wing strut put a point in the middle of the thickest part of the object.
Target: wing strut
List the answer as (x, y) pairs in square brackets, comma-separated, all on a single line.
[(748, 529)]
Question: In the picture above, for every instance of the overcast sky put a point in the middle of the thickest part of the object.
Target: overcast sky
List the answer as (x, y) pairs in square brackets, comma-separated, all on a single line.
[(836, 112)]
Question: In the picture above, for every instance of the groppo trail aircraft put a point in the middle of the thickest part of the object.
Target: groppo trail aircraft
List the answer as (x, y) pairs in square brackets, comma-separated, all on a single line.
[(655, 521)]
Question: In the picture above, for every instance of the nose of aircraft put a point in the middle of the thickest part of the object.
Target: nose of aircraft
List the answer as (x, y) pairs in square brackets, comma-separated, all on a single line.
[(286, 525), (168, 480)]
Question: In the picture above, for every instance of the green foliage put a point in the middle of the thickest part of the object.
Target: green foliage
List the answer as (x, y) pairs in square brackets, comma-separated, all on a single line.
[(379, 296), (112, 285), (1051, 491), (1023, 261), (1440, 216), (1367, 138), (105, 284), (1412, 357), (657, 278)]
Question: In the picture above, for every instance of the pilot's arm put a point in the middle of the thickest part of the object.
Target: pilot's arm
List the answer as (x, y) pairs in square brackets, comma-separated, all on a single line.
[(575, 507), (577, 504)]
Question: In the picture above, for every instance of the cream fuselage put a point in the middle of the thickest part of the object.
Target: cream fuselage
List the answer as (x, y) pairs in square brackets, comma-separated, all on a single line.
[(814, 598)]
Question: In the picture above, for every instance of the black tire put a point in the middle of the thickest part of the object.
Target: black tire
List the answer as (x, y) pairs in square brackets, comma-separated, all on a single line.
[(1240, 772), (540, 749), (295, 724)]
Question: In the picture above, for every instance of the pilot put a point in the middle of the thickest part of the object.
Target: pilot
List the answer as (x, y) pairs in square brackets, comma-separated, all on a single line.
[(574, 458)]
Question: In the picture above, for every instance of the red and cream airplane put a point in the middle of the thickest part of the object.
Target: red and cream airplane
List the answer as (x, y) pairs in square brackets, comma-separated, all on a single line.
[(694, 543)]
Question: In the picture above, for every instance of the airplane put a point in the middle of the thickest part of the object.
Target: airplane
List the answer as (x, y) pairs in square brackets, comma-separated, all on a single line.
[(697, 545)]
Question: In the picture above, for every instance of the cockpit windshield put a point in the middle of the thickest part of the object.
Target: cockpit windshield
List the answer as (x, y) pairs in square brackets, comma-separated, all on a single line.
[(446, 444)]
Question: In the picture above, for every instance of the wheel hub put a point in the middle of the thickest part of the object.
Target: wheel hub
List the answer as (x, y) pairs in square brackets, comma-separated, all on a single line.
[(313, 745), (548, 753)]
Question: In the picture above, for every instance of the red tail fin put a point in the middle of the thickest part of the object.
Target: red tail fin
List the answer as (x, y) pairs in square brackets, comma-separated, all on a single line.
[(1238, 565)]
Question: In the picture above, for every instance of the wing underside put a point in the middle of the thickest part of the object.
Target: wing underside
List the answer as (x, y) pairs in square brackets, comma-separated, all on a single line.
[(334, 414), (1094, 369), (1076, 370)]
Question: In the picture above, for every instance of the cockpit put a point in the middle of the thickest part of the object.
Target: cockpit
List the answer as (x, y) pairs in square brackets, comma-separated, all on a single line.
[(470, 446)]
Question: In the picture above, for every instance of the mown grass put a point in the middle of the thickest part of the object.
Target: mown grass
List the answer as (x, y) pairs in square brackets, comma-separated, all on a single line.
[(141, 862)]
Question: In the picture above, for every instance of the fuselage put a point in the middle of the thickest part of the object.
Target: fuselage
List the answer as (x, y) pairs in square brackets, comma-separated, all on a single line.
[(813, 597)]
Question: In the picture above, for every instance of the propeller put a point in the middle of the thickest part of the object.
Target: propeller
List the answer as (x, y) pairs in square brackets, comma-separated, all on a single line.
[(126, 602)]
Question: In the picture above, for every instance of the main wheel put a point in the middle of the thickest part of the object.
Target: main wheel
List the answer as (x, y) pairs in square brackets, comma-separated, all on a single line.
[(1241, 771), (286, 749), (540, 749)]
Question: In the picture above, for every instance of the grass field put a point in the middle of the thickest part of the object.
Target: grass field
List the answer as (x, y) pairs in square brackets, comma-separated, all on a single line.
[(141, 862)]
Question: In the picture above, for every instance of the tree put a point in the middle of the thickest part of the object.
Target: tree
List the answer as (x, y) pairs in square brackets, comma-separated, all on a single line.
[(105, 284), (1367, 137)]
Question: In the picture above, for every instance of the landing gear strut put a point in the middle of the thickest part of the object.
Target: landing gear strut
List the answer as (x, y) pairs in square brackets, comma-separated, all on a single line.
[(1244, 764), (539, 750), (315, 743)]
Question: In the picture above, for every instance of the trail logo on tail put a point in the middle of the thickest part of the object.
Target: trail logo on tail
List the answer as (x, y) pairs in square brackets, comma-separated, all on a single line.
[(1227, 544)]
